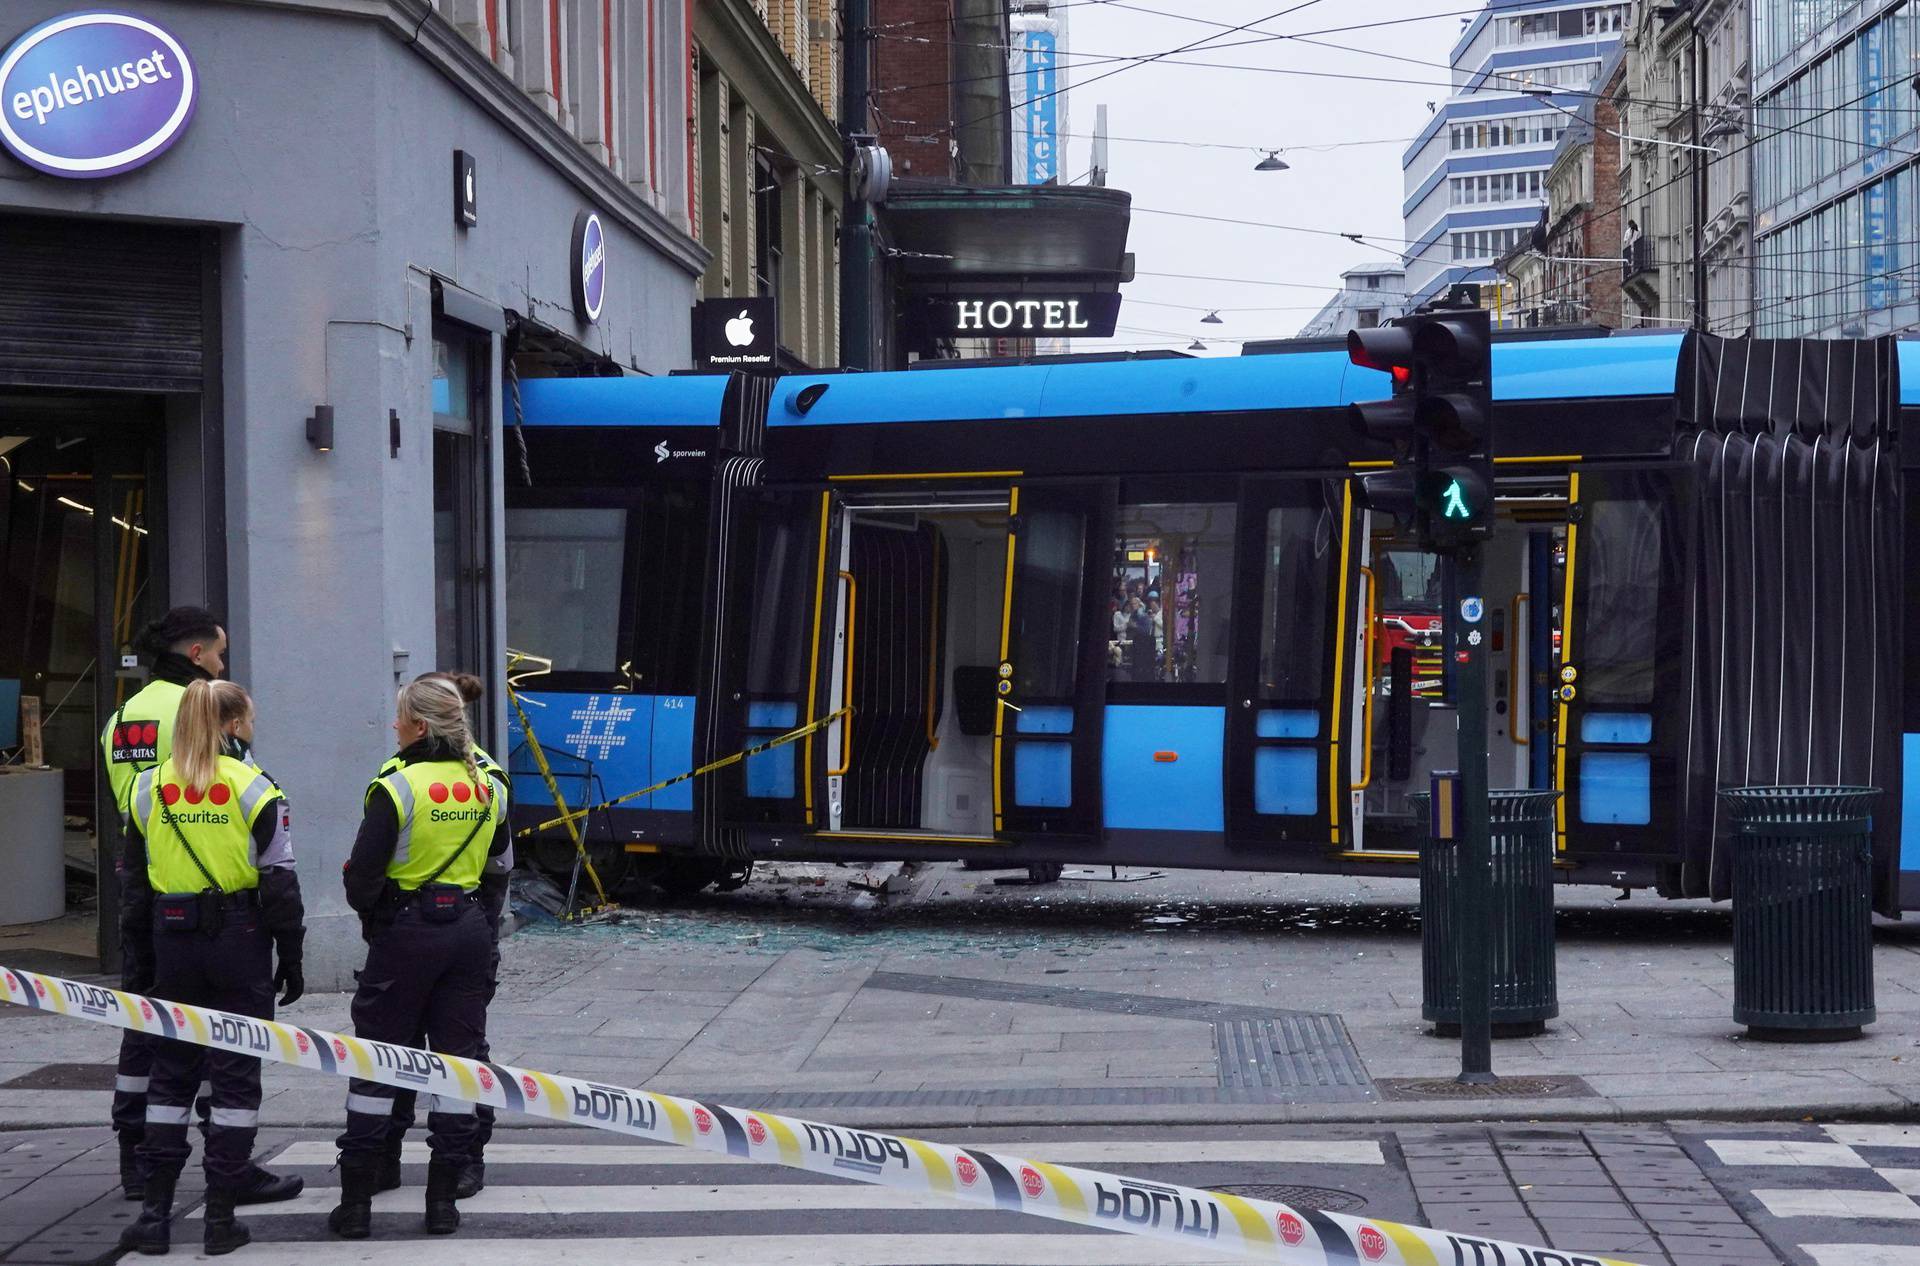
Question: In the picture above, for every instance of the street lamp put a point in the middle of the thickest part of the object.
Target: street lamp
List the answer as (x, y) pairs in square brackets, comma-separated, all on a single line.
[(1197, 346), (1212, 318), (1272, 162)]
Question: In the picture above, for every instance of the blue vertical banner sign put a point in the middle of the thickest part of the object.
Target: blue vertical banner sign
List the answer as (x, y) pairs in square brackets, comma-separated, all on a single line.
[(1873, 139), (1043, 140)]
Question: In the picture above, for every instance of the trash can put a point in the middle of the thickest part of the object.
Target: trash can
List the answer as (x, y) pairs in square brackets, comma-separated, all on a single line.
[(1802, 911), (1525, 987)]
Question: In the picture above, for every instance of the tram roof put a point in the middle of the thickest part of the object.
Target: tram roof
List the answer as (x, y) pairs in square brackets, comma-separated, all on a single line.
[(676, 400), (1546, 370), (1557, 369)]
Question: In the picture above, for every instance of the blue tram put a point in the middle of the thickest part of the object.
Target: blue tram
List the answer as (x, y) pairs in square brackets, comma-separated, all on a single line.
[(1131, 610)]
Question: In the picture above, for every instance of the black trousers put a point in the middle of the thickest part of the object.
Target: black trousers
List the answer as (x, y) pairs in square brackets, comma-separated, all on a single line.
[(404, 1100), (230, 971), (431, 978)]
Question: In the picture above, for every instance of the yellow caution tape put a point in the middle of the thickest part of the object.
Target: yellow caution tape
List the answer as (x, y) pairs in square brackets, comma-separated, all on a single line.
[(571, 816), (1259, 1230)]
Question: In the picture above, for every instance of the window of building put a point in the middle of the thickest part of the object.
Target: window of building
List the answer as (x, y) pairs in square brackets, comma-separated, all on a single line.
[(1172, 593), (767, 251), (1373, 283), (1367, 318)]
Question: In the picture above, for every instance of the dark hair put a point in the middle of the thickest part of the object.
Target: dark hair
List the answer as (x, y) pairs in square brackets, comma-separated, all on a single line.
[(178, 625), (471, 688)]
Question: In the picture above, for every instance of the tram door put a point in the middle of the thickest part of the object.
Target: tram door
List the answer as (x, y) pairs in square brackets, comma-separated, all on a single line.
[(916, 588), (1292, 702), (1407, 719)]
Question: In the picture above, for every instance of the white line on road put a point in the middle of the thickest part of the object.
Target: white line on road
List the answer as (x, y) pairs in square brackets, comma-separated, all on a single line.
[(1087, 1152), (1863, 1254), (635, 1198), (1832, 1203), (1875, 1135), (1786, 1152), (1907, 1180), (760, 1250)]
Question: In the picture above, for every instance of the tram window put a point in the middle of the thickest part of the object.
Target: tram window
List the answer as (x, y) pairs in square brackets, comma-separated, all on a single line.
[(1051, 561), (1293, 603), (782, 572), (1172, 593), (1409, 580), (1619, 550), (563, 585)]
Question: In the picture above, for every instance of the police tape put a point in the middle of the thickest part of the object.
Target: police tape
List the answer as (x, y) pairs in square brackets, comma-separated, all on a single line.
[(790, 736), (1235, 1226)]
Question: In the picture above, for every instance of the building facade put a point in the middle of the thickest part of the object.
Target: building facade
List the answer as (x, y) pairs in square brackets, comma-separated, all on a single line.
[(1836, 210), (1686, 158), (267, 366), (768, 189), (1369, 295), (1569, 278), (1475, 175)]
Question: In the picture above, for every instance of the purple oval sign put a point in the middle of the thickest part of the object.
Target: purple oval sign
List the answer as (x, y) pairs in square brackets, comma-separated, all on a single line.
[(589, 266), (94, 93)]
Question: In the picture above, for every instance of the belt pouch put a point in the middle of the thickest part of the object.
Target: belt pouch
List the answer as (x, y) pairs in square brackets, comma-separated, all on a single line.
[(440, 903), (177, 912)]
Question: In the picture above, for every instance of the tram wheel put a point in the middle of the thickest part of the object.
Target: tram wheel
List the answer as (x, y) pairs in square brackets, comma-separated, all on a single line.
[(1043, 872), (734, 877), (685, 876)]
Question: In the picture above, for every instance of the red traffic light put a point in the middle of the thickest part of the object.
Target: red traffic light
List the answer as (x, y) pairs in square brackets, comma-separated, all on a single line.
[(1387, 348)]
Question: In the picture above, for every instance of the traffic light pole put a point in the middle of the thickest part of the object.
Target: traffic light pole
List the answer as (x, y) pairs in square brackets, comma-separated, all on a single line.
[(1471, 645)]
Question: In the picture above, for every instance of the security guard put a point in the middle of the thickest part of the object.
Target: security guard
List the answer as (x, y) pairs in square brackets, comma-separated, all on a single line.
[(210, 896), (185, 645), (493, 898), (414, 875)]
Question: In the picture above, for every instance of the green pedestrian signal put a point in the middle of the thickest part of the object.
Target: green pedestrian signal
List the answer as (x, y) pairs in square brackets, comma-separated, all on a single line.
[(1454, 504)]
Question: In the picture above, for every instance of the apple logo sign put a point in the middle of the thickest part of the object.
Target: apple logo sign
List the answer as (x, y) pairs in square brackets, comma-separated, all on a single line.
[(740, 330)]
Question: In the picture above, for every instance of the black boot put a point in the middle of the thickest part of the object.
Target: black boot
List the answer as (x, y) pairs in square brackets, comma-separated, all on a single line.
[(389, 1168), (224, 1233), (443, 1215), (131, 1183), (148, 1232), (265, 1187), (353, 1219), (472, 1179)]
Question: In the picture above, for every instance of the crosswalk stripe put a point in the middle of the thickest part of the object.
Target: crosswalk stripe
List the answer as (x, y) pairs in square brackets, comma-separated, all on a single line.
[(1829, 1202), (636, 1198), (1907, 1180), (1875, 1135), (1786, 1152), (1081, 1152), (1863, 1254), (1092, 1249)]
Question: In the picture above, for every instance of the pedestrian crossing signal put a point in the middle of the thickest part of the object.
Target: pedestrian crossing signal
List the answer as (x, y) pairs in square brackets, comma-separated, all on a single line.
[(1454, 504)]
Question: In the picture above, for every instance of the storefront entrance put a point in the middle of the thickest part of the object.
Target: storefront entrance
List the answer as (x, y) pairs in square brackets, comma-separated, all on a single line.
[(80, 574)]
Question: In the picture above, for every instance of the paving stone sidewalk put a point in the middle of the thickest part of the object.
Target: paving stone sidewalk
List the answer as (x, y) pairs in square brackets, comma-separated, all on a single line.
[(1187, 997)]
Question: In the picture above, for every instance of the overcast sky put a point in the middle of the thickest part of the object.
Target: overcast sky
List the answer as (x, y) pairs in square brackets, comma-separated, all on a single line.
[(1351, 189)]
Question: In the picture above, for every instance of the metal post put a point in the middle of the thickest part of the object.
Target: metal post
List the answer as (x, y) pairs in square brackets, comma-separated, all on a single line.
[(1697, 178), (856, 247), (1470, 646)]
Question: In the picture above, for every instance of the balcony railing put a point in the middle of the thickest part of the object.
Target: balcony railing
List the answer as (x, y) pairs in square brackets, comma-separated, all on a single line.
[(1636, 258)]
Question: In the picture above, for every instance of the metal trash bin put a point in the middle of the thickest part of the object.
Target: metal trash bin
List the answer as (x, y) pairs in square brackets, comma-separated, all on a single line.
[(1802, 911), (1525, 985)]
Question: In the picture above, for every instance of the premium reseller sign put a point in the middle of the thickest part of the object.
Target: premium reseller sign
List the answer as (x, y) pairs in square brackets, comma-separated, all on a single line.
[(95, 93)]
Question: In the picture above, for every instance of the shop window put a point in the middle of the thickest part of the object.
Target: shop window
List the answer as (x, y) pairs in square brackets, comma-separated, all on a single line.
[(563, 585), (462, 499), (1172, 594)]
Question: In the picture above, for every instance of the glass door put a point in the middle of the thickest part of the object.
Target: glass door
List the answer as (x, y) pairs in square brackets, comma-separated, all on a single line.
[(1289, 721), (1052, 671)]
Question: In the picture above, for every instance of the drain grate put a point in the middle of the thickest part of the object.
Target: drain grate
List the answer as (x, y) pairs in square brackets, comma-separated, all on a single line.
[(64, 1077), (1326, 1198), (1263, 1055), (1506, 1088)]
